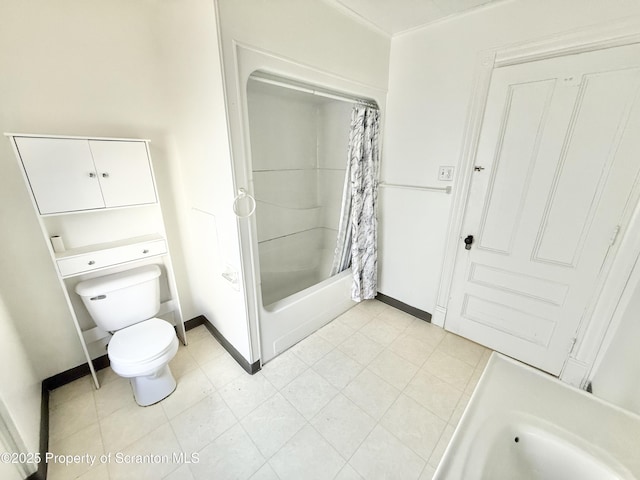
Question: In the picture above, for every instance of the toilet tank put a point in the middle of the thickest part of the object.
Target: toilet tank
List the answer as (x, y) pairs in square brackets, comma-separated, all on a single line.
[(121, 299)]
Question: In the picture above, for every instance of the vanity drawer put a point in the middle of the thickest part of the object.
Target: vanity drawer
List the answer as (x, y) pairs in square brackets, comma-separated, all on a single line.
[(109, 257)]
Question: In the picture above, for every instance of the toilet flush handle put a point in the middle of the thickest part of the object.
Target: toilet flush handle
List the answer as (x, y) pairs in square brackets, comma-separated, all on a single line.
[(99, 297)]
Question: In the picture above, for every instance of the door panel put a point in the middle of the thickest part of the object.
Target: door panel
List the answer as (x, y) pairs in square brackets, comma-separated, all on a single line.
[(559, 146)]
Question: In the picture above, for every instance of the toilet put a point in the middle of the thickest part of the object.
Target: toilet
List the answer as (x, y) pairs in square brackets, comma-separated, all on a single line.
[(142, 346)]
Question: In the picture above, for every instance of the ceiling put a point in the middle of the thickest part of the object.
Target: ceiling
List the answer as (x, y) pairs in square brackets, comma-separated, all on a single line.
[(396, 16)]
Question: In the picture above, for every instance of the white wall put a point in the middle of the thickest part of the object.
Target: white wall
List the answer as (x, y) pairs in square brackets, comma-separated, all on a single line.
[(20, 390), (430, 82), (123, 69)]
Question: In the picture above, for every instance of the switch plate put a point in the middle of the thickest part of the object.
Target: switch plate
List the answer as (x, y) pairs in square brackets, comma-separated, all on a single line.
[(445, 174)]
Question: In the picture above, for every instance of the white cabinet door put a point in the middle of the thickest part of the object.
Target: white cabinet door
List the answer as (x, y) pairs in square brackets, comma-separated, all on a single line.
[(61, 174), (124, 172), (559, 147)]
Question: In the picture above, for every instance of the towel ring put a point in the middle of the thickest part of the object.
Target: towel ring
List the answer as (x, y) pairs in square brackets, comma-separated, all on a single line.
[(242, 193)]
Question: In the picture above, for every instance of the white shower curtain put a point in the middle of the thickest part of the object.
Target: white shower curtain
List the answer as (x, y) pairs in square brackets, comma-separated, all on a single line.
[(357, 232)]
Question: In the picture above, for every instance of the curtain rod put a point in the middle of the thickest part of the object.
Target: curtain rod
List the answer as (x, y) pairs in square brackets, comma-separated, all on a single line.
[(312, 91)]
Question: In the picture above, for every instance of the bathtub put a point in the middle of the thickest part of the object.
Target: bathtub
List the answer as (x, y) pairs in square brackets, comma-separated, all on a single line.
[(526, 425)]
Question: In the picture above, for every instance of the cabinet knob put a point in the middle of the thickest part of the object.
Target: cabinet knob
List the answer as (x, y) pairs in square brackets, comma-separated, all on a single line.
[(92, 262), (105, 175), (145, 251), (92, 175)]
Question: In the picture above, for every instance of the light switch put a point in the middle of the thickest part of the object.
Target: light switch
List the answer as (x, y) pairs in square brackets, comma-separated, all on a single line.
[(445, 174)]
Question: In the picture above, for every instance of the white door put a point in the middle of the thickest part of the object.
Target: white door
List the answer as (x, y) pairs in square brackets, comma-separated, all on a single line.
[(61, 174), (560, 152), (124, 172)]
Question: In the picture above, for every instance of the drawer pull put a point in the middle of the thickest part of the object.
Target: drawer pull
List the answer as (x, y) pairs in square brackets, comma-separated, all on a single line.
[(145, 251), (91, 262)]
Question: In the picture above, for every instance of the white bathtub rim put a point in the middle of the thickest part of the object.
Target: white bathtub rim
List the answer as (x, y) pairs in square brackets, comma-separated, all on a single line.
[(468, 429), (300, 296)]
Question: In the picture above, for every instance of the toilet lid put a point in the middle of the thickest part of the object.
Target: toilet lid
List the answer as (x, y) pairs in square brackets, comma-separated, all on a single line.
[(141, 342)]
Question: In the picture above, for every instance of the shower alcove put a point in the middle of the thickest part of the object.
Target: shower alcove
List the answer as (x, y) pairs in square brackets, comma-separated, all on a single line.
[(299, 145), (297, 140)]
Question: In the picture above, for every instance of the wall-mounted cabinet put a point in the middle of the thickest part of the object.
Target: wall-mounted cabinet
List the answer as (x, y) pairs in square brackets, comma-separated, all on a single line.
[(68, 175), (99, 196)]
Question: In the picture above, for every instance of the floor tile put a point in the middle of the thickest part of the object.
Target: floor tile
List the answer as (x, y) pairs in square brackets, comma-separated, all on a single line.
[(182, 473), (433, 393), (361, 348), (425, 332), (230, 456), (265, 473), (222, 370), (72, 416), (453, 371), (415, 426), (355, 319), (397, 319), (383, 456), (197, 333), (348, 473), (312, 349), (371, 393), (272, 424), (380, 331), (87, 441), (337, 368), (394, 369), (372, 307), (113, 396), (427, 473), (125, 426), (335, 333), (411, 349), (307, 456), (344, 425), (374, 394), (106, 375), (70, 391), (309, 393), (182, 363), (101, 472), (160, 444), (202, 423), (246, 393), (460, 408), (191, 388), (205, 350), (462, 349), (283, 369)]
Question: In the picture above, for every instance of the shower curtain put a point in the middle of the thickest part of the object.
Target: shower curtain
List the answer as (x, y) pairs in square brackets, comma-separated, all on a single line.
[(357, 232)]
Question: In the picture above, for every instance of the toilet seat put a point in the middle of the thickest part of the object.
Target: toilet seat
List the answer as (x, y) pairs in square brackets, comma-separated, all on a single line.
[(142, 348)]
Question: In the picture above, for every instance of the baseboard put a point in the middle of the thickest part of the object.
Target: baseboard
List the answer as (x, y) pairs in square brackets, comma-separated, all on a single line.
[(416, 312), (250, 368), (195, 322)]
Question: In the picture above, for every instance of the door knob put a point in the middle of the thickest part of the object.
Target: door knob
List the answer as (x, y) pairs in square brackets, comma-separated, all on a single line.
[(468, 241)]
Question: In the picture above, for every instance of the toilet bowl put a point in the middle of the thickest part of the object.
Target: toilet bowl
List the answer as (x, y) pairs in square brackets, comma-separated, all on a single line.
[(141, 347), (141, 353)]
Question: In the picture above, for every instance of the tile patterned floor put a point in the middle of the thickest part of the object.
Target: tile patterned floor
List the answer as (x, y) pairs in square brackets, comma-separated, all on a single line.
[(376, 394)]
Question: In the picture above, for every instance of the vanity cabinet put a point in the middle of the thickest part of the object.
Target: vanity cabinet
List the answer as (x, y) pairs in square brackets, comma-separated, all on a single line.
[(68, 175), (99, 196)]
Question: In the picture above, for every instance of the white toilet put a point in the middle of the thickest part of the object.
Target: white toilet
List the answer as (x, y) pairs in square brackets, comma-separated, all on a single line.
[(141, 347)]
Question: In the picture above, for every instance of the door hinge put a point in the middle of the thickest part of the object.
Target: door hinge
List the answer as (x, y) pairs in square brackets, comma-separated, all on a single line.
[(614, 235)]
